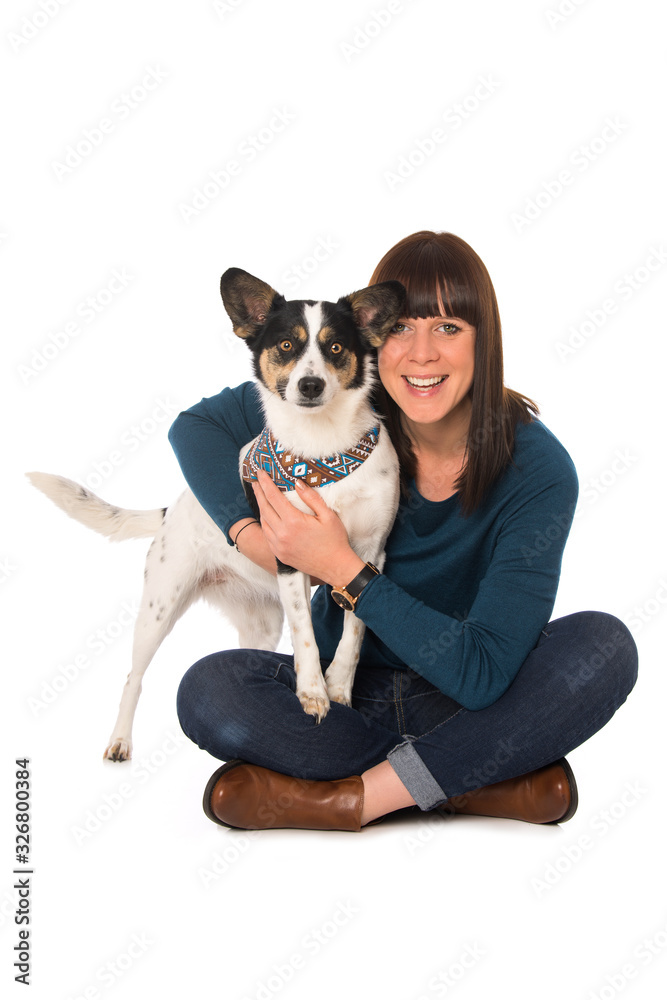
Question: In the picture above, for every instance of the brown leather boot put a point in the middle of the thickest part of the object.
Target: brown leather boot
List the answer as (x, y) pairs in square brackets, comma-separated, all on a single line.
[(548, 795), (250, 797)]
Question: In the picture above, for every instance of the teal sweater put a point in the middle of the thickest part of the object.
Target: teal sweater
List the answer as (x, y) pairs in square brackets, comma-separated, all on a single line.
[(461, 601)]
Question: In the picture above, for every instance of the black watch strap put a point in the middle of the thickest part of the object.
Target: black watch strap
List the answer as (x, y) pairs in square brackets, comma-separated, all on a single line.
[(346, 597)]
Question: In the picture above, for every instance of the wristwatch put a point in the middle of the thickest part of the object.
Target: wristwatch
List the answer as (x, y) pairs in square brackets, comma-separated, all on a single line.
[(347, 596)]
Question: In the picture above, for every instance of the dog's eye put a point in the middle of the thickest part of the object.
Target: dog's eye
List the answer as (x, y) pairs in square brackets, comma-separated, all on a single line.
[(336, 348), (285, 346)]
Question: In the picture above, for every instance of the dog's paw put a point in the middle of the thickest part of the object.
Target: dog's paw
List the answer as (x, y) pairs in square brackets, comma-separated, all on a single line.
[(119, 750), (339, 684), (314, 703), (340, 694)]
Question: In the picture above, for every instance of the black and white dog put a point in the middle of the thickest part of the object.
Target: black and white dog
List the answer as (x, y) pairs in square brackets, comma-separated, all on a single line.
[(314, 366)]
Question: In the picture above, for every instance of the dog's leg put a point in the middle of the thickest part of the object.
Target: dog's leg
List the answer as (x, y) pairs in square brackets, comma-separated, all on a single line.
[(148, 636), (170, 588), (152, 627), (339, 676), (258, 620), (311, 690), (263, 629)]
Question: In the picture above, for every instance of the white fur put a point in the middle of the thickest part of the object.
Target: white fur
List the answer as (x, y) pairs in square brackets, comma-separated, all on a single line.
[(190, 558), (313, 317), (311, 361)]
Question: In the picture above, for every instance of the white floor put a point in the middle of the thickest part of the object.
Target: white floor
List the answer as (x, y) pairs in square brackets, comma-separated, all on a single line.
[(133, 890)]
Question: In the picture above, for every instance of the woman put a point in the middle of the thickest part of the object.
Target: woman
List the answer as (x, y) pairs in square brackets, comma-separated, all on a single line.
[(466, 698)]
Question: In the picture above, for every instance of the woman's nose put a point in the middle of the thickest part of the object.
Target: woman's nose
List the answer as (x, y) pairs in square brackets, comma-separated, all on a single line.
[(423, 346)]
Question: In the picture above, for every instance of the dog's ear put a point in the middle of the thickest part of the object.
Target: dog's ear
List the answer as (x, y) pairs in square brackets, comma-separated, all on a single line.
[(247, 301), (376, 309)]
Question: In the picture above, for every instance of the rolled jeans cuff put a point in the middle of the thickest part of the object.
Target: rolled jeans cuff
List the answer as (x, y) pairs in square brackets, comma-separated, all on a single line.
[(416, 777)]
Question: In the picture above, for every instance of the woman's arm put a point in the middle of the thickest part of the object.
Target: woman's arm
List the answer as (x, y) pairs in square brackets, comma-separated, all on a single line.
[(207, 439)]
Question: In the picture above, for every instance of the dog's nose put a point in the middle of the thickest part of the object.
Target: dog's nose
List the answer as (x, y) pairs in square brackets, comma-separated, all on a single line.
[(311, 386)]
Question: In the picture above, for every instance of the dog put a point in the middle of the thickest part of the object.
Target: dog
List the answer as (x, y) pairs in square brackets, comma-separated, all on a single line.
[(315, 370)]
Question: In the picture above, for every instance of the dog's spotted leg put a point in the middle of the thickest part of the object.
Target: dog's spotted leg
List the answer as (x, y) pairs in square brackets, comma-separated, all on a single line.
[(169, 590), (149, 633), (339, 676), (311, 690)]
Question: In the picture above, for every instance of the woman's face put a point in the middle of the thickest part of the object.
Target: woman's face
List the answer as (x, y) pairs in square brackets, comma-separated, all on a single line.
[(427, 365)]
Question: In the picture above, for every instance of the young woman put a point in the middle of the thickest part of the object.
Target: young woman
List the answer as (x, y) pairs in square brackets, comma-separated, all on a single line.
[(467, 697)]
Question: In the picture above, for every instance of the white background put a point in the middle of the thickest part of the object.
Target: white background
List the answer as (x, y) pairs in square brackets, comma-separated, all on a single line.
[(537, 911)]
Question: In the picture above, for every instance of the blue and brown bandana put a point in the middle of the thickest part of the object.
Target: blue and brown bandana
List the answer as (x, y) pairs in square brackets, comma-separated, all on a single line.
[(285, 467)]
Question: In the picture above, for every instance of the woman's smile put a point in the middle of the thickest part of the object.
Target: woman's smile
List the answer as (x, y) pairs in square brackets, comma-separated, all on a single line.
[(423, 384)]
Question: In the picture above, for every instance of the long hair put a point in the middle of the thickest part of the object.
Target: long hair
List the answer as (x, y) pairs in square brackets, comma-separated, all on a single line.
[(440, 268)]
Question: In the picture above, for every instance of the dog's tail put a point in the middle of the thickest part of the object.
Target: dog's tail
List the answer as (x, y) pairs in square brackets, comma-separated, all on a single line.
[(113, 522)]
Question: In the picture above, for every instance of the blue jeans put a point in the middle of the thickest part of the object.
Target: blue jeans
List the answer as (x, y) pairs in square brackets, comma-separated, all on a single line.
[(241, 704)]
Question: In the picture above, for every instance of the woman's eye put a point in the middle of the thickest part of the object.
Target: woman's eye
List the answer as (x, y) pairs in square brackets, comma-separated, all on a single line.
[(449, 328), (398, 328), (285, 346), (336, 348)]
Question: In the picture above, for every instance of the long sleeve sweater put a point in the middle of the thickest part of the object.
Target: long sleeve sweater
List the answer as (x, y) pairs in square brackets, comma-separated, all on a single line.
[(461, 600)]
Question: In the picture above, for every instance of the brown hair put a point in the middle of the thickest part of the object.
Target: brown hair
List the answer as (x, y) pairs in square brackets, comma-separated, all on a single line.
[(436, 269)]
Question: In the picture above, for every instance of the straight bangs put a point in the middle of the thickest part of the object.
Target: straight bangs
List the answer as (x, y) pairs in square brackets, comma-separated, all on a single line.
[(421, 267)]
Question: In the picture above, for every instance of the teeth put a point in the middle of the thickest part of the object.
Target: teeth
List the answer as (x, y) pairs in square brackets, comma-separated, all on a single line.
[(423, 382)]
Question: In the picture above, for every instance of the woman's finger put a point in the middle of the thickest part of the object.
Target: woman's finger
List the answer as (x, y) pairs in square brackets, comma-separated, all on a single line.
[(312, 498), (273, 498)]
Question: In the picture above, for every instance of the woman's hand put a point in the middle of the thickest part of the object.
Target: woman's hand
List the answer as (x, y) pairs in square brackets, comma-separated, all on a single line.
[(316, 544)]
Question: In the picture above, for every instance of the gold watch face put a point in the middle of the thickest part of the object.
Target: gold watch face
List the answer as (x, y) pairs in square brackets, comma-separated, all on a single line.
[(342, 600)]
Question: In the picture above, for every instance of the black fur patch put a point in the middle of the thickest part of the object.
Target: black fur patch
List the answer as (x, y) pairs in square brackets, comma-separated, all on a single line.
[(250, 497), (283, 568)]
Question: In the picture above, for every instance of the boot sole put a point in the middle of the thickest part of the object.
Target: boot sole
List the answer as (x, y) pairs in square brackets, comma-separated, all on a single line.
[(574, 795)]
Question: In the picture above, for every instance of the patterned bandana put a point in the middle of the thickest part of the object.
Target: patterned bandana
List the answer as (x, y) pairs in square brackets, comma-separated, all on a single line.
[(285, 468)]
